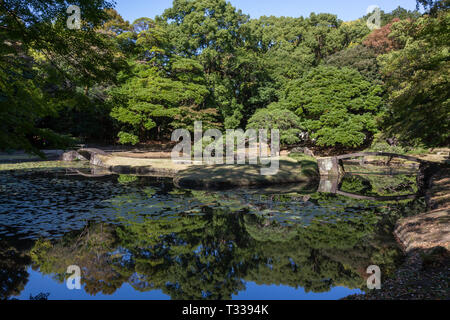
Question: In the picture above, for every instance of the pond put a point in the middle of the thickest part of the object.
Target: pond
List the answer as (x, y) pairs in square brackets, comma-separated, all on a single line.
[(144, 238)]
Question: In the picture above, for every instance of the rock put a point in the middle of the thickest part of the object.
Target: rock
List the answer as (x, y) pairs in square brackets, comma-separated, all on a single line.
[(308, 152), (328, 167), (72, 156), (98, 160), (306, 198)]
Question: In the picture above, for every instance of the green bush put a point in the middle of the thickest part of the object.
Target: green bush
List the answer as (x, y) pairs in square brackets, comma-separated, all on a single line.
[(128, 138), (275, 117)]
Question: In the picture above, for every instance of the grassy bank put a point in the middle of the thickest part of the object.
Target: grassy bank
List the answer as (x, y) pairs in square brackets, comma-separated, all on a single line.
[(43, 165)]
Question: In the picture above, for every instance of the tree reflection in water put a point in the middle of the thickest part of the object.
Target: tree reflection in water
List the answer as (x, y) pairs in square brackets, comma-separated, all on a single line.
[(207, 245)]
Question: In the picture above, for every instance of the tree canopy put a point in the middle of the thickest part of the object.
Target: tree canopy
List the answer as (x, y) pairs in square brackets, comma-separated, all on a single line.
[(418, 81), (337, 106), (42, 60), (320, 80)]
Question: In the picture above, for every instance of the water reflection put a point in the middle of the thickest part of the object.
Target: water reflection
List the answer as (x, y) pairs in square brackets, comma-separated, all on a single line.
[(189, 244)]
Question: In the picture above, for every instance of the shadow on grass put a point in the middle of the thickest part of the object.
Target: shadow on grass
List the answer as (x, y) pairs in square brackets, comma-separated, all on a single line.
[(230, 176)]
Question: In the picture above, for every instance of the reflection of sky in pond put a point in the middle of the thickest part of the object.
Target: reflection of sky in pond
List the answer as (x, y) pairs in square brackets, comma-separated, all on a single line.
[(49, 205), (39, 283)]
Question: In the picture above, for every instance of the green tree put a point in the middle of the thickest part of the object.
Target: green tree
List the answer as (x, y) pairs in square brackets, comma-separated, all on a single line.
[(39, 56), (382, 41), (213, 33), (150, 99), (360, 58), (417, 79), (398, 13), (337, 106), (285, 120), (281, 42)]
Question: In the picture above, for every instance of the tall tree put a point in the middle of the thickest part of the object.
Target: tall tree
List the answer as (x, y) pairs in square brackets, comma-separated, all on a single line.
[(150, 100), (210, 31), (417, 79), (337, 106), (37, 29), (164, 90)]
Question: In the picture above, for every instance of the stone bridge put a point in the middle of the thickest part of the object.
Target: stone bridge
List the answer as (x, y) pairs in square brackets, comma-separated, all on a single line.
[(332, 166), (332, 170)]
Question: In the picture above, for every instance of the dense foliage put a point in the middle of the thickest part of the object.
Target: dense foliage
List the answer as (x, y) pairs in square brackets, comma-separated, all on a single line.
[(338, 106), (320, 80), (418, 81), (46, 67)]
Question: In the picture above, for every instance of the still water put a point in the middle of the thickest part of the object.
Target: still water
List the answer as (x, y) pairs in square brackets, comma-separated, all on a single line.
[(144, 238)]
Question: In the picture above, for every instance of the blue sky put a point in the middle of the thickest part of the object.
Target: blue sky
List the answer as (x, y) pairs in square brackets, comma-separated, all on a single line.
[(345, 9)]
